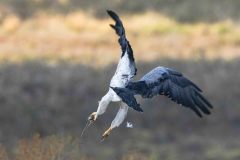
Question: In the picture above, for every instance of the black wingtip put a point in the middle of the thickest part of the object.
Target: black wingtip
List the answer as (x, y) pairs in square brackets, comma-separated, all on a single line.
[(205, 100), (112, 14), (109, 11), (197, 112), (118, 26)]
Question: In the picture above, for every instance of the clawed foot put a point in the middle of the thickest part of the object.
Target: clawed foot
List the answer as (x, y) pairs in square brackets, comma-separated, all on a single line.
[(93, 117), (106, 134)]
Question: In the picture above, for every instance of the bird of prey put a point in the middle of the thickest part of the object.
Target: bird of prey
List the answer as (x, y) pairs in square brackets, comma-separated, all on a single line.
[(159, 81)]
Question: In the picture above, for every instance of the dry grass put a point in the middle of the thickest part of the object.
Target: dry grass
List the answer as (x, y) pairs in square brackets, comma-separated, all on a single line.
[(78, 37), (52, 147), (55, 148)]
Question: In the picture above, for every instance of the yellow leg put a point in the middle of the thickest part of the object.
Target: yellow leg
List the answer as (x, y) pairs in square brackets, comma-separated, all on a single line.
[(106, 134)]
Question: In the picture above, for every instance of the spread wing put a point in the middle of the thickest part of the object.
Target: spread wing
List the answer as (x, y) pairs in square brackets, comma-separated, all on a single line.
[(168, 82), (126, 64)]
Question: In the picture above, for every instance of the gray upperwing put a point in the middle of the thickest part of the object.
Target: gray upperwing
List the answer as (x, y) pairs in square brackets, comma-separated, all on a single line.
[(154, 75)]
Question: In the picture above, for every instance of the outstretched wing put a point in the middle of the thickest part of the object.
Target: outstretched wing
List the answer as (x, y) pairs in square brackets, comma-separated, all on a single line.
[(127, 63), (168, 82)]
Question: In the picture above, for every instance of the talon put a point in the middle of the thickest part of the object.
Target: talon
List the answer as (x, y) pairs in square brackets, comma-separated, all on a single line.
[(106, 134), (93, 117)]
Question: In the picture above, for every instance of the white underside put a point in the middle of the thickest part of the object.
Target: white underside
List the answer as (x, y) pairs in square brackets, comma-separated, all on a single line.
[(121, 78)]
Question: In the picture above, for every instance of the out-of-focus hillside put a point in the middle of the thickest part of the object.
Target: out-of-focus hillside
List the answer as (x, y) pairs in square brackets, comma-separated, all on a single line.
[(78, 37)]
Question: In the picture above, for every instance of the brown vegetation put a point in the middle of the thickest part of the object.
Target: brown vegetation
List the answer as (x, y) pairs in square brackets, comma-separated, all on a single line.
[(54, 69), (80, 38), (56, 99)]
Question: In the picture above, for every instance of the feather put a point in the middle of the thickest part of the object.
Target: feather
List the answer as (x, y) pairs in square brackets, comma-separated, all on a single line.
[(168, 82)]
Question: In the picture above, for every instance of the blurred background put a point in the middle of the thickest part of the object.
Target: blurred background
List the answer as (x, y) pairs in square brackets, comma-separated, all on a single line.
[(58, 56)]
